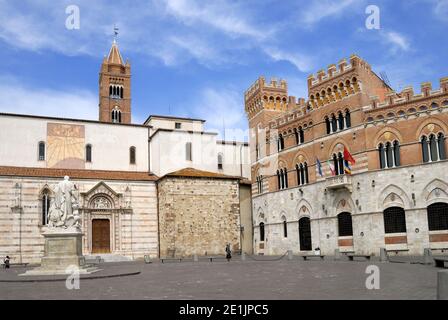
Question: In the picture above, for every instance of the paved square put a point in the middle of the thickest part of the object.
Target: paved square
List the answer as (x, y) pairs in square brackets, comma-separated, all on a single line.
[(249, 279)]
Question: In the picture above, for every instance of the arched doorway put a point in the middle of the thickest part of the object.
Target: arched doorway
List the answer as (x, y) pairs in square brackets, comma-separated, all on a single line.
[(305, 234), (100, 236)]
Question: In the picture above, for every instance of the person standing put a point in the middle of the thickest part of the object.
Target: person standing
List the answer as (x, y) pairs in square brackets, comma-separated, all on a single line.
[(6, 261), (228, 252)]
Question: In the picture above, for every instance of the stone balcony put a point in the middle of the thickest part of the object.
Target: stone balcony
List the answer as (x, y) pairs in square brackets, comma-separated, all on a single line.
[(340, 182)]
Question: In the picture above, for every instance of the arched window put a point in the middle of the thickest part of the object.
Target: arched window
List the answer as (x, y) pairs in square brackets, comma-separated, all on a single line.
[(132, 155), (396, 147), (389, 155), (441, 145), (116, 115), (220, 161), (382, 156), (110, 91), (433, 147), (394, 220), (121, 93), (345, 226), (348, 120), (306, 173), (438, 216), (285, 178), (341, 121), (41, 151), (334, 124), (45, 207), (88, 153), (296, 135), (280, 142), (301, 135), (261, 231), (279, 179), (285, 229), (336, 164), (328, 125), (302, 173), (425, 154)]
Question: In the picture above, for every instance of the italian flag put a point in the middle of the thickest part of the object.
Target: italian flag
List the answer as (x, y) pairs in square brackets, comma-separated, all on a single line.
[(331, 168)]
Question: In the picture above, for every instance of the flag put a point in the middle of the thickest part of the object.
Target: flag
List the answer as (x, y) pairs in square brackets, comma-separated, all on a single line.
[(319, 167), (348, 157), (331, 168), (347, 168)]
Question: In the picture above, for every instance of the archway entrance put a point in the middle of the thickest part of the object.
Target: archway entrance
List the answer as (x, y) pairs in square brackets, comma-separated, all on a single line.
[(305, 234), (100, 236)]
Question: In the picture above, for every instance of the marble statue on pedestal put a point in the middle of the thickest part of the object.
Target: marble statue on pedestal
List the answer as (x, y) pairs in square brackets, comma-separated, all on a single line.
[(64, 206)]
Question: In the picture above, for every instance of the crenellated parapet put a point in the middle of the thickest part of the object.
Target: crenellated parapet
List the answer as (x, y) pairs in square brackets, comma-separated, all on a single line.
[(338, 82), (407, 102)]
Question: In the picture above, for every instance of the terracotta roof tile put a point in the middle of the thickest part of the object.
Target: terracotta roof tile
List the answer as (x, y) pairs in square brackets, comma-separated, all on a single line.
[(195, 173), (77, 173)]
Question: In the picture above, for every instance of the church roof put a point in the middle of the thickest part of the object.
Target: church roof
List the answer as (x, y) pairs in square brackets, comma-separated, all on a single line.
[(114, 55), (195, 173), (77, 173)]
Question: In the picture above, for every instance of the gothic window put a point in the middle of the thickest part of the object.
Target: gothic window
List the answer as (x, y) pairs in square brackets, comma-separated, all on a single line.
[(302, 173), (88, 153), (285, 178), (132, 157), (394, 220), (433, 148), (285, 229), (348, 120), (45, 207), (41, 151), (220, 161), (188, 151), (282, 179), (425, 154), (345, 226), (280, 142), (328, 125), (261, 231), (389, 155), (301, 135), (297, 136), (336, 164), (341, 121), (396, 147), (279, 179), (438, 216), (382, 156), (260, 184), (116, 115), (441, 145), (121, 93), (334, 124), (340, 164)]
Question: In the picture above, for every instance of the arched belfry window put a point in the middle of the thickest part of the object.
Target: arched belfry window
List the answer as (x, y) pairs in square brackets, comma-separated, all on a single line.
[(41, 151), (132, 155), (394, 220), (45, 206), (116, 115)]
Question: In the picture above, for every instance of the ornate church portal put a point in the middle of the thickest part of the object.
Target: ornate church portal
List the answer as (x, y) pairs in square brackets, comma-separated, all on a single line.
[(103, 213)]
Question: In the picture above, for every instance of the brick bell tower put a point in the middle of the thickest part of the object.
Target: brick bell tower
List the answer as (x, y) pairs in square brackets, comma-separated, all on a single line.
[(115, 88)]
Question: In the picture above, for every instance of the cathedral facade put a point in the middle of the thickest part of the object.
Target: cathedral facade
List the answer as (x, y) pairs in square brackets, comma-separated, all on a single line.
[(355, 167), (119, 170)]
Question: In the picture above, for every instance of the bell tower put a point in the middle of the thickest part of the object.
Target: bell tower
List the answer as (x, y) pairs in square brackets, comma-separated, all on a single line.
[(115, 88)]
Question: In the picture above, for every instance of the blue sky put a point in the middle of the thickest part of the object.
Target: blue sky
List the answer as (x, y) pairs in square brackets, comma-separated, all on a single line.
[(196, 58)]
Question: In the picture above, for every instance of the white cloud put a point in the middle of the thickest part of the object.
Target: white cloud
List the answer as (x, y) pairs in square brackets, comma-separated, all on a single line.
[(70, 103), (301, 62), (222, 108), (321, 9), (399, 41), (441, 9)]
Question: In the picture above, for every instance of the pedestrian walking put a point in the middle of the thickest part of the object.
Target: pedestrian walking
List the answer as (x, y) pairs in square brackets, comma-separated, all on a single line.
[(6, 262), (228, 252)]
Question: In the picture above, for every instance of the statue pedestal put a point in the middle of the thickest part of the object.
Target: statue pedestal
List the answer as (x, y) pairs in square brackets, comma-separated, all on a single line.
[(63, 252)]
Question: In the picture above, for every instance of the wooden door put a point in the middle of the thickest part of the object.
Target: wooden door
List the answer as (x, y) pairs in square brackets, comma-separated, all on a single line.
[(305, 234), (100, 236)]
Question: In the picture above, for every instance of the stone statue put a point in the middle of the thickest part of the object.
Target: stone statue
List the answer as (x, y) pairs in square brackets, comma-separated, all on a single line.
[(64, 206)]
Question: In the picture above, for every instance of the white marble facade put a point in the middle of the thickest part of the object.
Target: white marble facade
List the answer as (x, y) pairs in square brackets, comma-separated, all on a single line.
[(412, 188)]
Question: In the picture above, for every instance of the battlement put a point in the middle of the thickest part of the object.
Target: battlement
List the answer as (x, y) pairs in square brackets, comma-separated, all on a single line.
[(407, 95), (261, 84), (334, 70)]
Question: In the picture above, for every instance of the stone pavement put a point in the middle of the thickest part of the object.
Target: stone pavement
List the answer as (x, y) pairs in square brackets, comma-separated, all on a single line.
[(235, 280)]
